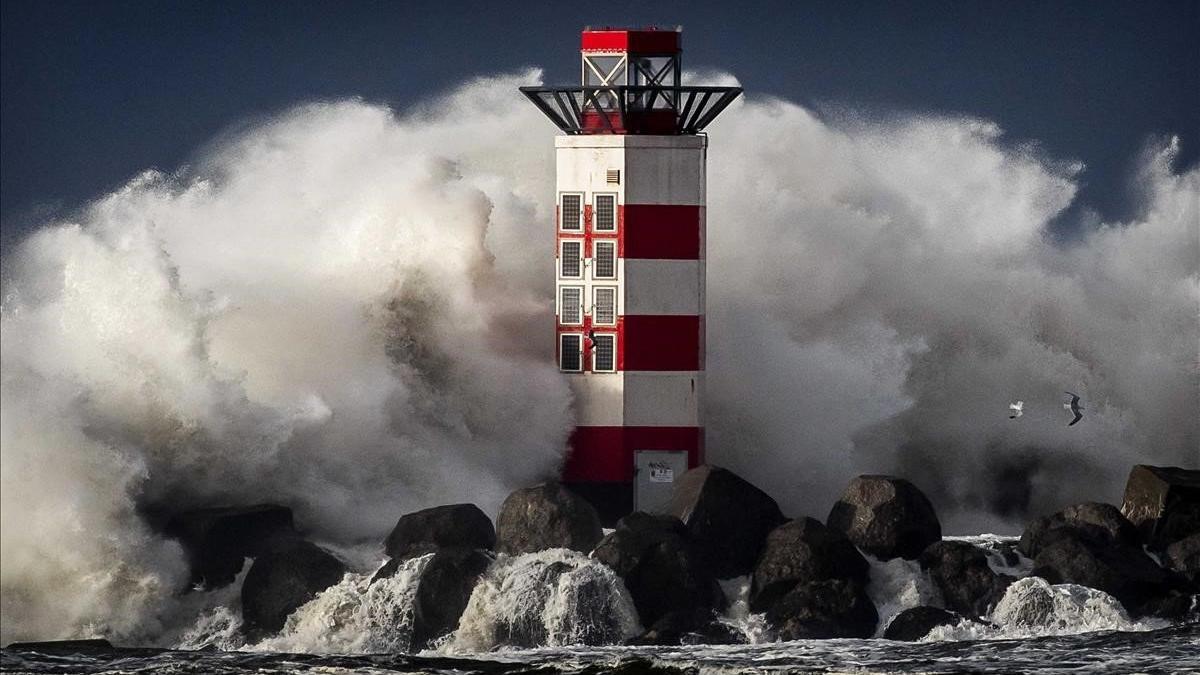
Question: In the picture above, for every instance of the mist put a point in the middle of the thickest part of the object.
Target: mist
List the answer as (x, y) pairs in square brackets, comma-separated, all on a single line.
[(349, 310)]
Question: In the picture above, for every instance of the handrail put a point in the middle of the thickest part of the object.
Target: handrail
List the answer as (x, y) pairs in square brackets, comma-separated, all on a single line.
[(582, 109)]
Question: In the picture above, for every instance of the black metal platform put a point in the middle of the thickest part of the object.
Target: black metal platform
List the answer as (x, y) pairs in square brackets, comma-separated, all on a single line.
[(631, 109)]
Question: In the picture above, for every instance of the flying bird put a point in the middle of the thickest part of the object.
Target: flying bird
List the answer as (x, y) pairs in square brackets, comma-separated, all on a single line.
[(1074, 407), (1016, 408)]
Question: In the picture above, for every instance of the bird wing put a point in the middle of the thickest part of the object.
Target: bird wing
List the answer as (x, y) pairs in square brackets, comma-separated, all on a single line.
[(1074, 398), (1078, 416)]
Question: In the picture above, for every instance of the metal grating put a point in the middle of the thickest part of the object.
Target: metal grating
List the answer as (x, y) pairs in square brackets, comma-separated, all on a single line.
[(606, 260), (570, 352), (613, 177), (572, 255), (571, 211), (604, 352), (605, 310), (571, 311), (606, 213)]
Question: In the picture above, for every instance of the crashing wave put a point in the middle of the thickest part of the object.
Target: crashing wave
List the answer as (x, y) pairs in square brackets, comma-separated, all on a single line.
[(551, 598)]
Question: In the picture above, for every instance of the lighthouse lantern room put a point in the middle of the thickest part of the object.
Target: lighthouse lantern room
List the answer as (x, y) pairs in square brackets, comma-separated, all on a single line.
[(629, 252)]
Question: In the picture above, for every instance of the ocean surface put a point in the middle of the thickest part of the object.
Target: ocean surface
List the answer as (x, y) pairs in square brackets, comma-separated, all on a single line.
[(558, 600)]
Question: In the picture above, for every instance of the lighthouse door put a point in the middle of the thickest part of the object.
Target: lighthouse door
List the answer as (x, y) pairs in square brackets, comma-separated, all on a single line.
[(655, 474)]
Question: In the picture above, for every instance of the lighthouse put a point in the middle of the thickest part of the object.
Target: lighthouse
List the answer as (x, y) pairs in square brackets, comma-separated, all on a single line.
[(629, 264)]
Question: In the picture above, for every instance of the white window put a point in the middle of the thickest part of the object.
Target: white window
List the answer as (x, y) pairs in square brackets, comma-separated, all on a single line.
[(604, 352), (606, 260), (604, 307), (570, 352), (571, 310), (606, 213), (571, 212), (571, 258)]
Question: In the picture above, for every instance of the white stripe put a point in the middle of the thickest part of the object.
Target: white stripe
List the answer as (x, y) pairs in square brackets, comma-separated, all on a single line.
[(663, 399), (664, 287), (599, 399)]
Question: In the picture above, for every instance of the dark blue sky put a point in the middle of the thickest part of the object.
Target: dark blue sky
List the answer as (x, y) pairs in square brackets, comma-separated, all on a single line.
[(94, 92)]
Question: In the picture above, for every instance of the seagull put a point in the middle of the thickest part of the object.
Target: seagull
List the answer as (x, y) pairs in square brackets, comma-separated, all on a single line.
[(1016, 408), (1074, 407)]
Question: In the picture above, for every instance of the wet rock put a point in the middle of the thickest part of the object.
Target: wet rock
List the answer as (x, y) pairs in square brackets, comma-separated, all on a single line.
[(834, 608), (1183, 556), (455, 525), (443, 591), (217, 541), (886, 517), (546, 516), (284, 577), (961, 572), (1125, 573), (660, 568), (86, 646), (688, 628), (727, 518), (1163, 503), (1100, 523), (799, 551), (915, 623)]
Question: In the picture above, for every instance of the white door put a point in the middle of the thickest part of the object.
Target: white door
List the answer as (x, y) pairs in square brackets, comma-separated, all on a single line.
[(655, 473)]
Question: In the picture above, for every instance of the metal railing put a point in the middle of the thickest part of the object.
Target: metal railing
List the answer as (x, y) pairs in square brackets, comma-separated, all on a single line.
[(631, 109)]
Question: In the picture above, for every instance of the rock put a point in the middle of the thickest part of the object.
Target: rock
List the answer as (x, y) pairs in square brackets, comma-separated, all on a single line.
[(661, 569), (687, 628), (727, 518), (1183, 556), (961, 572), (1125, 573), (456, 525), (1163, 503), (284, 577), (217, 541), (799, 551), (1094, 521), (443, 591), (546, 516), (886, 517), (915, 623), (833, 608)]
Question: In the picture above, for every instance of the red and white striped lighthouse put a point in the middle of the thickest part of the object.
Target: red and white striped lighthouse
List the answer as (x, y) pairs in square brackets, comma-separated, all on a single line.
[(629, 252)]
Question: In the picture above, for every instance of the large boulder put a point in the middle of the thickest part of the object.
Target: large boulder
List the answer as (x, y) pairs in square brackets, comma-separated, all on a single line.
[(455, 525), (1125, 573), (727, 518), (546, 516), (1183, 556), (915, 623), (818, 610), (801, 551), (217, 541), (1163, 503), (662, 570), (445, 586), (284, 577), (1094, 521), (961, 572), (688, 628), (886, 517)]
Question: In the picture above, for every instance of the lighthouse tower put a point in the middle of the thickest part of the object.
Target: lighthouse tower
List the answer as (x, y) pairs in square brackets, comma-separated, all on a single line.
[(629, 264)]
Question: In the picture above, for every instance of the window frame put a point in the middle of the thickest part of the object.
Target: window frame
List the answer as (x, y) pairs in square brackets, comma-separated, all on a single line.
[(562, 256), (596, 303), (596, 212), (562, 305), (596, 244), (562, 212), (562, 352), (596, 352)]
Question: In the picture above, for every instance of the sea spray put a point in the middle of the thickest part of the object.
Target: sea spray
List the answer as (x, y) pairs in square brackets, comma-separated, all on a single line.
[(355, 616), (550, 598), (897, 585)]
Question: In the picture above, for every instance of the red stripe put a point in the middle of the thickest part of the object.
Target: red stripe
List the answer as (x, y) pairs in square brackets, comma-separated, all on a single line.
[(637, 41), (662, 231), (661, 343), (606, 454)]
